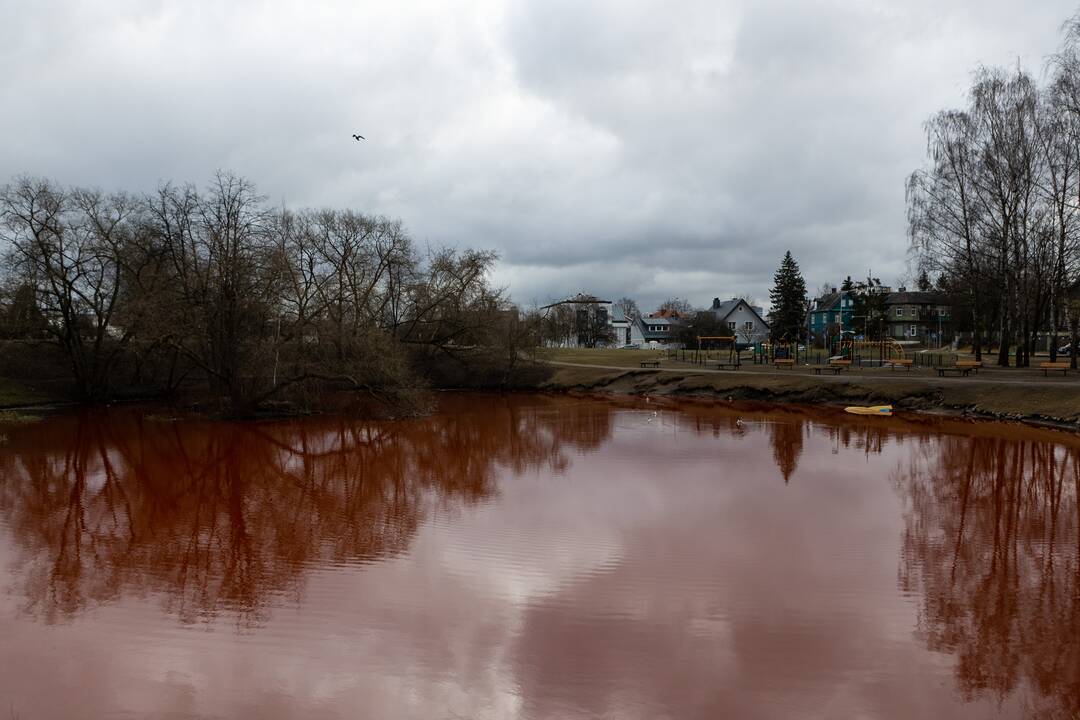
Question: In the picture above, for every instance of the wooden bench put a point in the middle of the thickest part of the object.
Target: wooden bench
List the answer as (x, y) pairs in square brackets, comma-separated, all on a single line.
[(840, 365), (958, 369), (728, 366), (903, 362), (650, 363), (834, 369), (969, 364), (783, 362), (1048, 366)]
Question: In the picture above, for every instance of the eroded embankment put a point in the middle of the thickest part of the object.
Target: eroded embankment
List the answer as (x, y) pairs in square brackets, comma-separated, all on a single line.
[(1053, 404)]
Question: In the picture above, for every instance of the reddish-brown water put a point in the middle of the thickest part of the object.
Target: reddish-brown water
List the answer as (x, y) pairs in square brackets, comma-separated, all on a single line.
[(538, 557)]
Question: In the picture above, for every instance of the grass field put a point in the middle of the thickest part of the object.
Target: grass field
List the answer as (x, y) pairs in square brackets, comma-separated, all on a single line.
[(14, 394)]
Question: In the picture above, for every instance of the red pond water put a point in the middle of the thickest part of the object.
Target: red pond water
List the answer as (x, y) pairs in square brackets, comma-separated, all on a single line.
[(538, 557)]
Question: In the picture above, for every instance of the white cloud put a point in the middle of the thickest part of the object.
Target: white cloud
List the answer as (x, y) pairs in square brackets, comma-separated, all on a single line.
[(627, 148)]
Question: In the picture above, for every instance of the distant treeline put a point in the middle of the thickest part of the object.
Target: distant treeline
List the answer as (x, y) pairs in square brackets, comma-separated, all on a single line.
[(996, 211), (216, 291)]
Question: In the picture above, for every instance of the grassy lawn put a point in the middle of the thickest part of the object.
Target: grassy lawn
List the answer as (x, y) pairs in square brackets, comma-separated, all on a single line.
[(617, 358), (13, 393)]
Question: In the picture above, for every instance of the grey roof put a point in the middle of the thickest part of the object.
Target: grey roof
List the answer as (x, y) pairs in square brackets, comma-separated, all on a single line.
[(827, 302), (645, 323), (727, 307), (915, 298), (724, 308)]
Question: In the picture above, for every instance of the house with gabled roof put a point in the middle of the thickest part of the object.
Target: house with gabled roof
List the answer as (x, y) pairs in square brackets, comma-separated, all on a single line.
[(654, 330), (744, 321)]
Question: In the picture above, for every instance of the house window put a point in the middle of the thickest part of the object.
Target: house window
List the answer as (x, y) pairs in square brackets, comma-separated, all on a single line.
[(748, 325), (899, 312), (914, 330), (731, 325), (941, 312)]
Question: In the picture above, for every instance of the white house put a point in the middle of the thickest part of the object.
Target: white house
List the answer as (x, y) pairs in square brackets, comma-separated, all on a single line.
[(620, 325), (744, 321), (652, 331)]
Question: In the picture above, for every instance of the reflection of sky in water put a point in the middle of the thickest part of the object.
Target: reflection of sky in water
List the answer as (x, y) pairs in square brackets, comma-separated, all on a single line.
[(515, 557)]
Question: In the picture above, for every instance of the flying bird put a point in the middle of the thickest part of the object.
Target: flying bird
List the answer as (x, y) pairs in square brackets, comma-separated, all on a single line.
[(359, 137)]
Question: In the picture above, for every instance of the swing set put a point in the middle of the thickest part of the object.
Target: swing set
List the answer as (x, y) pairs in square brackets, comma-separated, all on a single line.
[(887, 350), (733, 361)]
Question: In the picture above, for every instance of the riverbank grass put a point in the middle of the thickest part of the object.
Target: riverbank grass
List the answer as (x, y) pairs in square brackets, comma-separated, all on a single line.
[(16, 394)]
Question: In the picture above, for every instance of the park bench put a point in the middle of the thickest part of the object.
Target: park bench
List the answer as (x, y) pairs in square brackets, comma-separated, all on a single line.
[(958, 369), (1048, 366), (969, 364), (728, 366), (903, 362), (834, 369), (650, 363), (783, 363), (839, 365)]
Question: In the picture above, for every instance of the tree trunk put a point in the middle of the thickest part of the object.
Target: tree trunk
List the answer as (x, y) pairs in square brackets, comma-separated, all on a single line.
[(1075, 340), (1003, 339), (1054, 326)]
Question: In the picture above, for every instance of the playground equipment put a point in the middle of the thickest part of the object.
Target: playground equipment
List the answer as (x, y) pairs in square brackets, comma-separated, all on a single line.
[(767, 351), (887, 350), (733, 358)]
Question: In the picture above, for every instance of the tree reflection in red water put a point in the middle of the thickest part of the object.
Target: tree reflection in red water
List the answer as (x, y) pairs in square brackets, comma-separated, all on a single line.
[(222, 516), (991, 547)]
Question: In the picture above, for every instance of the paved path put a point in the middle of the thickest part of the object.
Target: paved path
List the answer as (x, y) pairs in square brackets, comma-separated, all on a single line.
[(848, 376)]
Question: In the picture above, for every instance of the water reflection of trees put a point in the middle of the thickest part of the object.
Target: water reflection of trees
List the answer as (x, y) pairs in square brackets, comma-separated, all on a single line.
[(221, 517), (991, 546)]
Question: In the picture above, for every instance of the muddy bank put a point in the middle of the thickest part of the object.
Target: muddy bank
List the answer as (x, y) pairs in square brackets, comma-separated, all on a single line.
[(1056, 405)]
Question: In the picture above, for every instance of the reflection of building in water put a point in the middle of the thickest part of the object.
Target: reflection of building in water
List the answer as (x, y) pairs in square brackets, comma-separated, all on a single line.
[(992, 548), (219, 516)]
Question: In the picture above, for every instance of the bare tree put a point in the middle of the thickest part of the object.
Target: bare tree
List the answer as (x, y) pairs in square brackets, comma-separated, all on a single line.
[(629, 307), (677, 306), (77, 250), (259, 303)]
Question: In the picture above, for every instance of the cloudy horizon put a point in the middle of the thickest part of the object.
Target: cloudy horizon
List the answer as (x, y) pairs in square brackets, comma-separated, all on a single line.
[(611, 148)]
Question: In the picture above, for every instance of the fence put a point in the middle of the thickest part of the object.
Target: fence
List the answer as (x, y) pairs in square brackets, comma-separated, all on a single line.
[(812, 356)]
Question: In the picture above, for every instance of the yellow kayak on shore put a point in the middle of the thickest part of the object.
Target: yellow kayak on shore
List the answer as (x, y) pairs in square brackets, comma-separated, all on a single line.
[(870, 410)]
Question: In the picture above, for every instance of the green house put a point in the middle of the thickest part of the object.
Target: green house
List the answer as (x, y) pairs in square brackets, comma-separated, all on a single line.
[(832, 313)]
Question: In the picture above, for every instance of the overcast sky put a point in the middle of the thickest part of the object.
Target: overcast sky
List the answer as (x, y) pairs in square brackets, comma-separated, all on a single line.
[(649, 149)]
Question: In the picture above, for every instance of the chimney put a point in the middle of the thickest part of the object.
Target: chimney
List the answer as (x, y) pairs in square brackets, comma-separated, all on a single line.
[(834, 291), (715, 303)]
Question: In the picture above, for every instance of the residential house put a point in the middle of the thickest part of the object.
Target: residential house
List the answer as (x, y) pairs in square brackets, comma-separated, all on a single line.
[(923, 317), (832, 314), (621, 325), (656, 330), (745, 322)]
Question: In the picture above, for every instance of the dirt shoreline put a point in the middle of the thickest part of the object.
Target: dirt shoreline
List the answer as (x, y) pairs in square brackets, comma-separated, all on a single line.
[(1052, 405), (1041, 404)]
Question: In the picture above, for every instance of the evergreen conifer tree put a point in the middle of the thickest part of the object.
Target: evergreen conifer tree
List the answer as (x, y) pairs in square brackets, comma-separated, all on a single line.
[(788, 298)]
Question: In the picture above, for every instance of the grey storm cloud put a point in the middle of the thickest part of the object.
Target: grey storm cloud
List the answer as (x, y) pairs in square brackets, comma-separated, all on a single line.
[(648, 149)]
